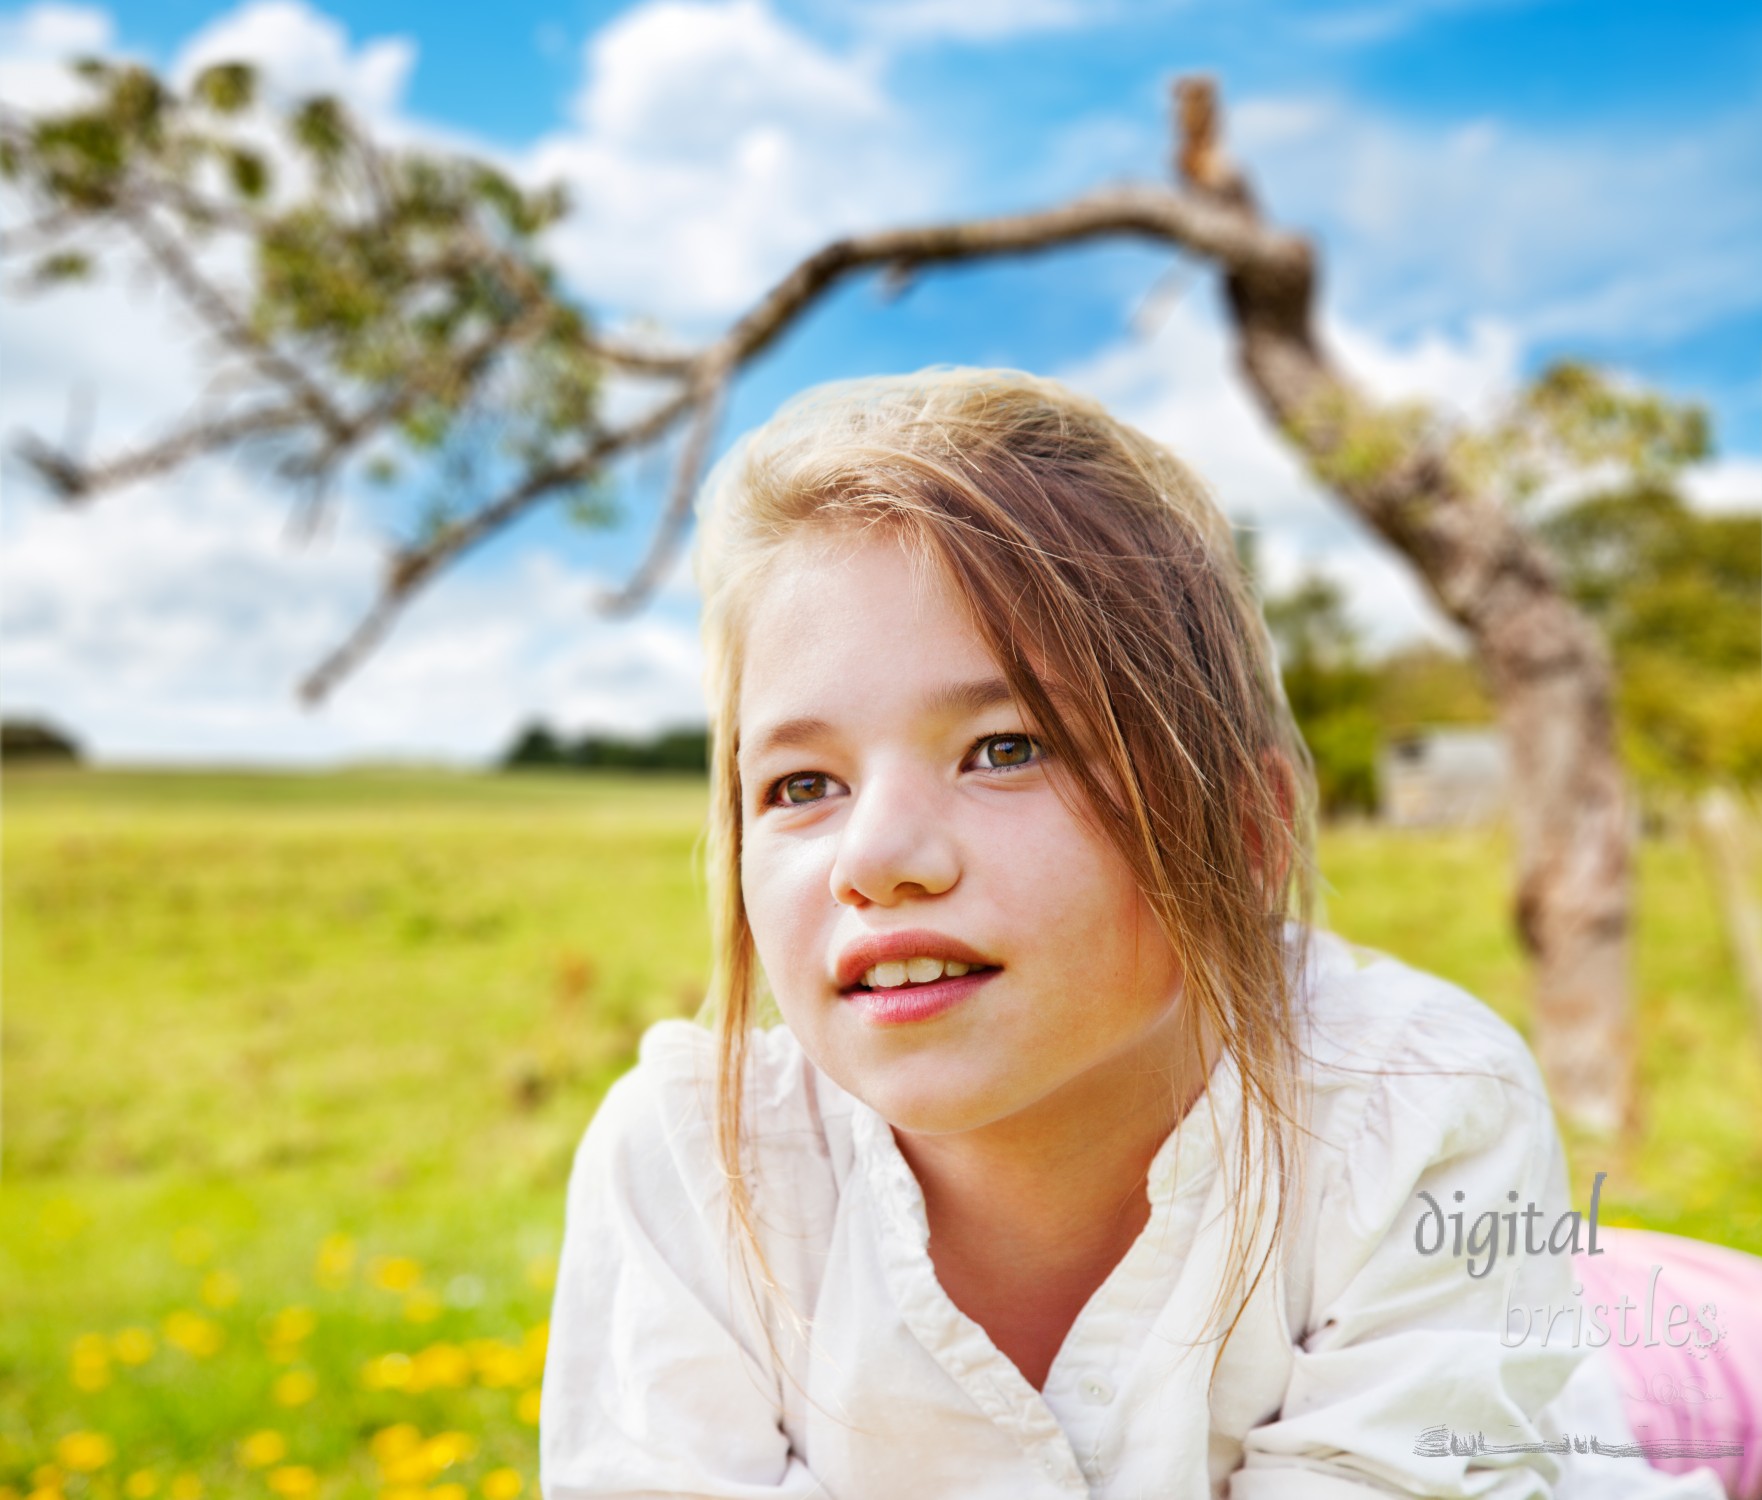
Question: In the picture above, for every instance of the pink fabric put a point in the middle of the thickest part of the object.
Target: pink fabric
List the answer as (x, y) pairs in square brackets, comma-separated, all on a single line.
[(1710, 1390)]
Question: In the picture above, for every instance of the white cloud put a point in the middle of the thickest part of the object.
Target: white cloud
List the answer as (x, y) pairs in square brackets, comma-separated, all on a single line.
[(1597, 237), (1178, 386), (920, 21), (714, 145), (1467, 379), (1726, 484), (36, 46), (303, 52), (176, 622), (55, 30), (117, 350)]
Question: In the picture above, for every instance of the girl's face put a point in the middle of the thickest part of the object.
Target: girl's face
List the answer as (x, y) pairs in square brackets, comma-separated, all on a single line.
[(898, 814)]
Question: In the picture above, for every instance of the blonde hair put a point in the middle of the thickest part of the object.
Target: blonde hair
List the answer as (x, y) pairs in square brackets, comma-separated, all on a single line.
[(1101, 575)]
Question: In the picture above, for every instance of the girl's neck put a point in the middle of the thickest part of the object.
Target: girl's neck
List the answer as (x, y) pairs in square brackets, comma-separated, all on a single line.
[(1029, 1215)]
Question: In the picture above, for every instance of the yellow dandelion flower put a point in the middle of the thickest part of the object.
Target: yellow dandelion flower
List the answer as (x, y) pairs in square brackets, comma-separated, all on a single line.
[(261, 1449), (220, 1289), (449, 1491), (403, 1492), (292, 1481), (336, 1261), (407, 1469), (394, 1442), (85, 1452), (90, 1368), (422, 1305), (8, 1493), (292, 1325), (502, 1484), (444, 1367), (47, 1477), (91, 1376), (389, 1372), (186, 1486), (192, 1246), (541, 1272), (44, 1494), (445, 1449), (526, 1409), (143, 1484), (395, 1273), (499, 1365), (133, 1346), (197, 1336), (294, 1388)]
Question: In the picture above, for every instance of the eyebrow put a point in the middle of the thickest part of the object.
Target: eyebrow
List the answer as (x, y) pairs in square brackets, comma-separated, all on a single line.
[(952, 700)]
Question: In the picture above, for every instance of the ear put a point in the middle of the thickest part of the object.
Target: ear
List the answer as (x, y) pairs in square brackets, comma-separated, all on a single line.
[(1282, 785)]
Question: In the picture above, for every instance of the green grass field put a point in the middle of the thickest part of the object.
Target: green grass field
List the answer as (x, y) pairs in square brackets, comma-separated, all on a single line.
[(294, 1067)]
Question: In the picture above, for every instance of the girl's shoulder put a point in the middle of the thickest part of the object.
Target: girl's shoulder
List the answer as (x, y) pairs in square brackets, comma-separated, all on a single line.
[(1366, 1019), (1411, 1077)]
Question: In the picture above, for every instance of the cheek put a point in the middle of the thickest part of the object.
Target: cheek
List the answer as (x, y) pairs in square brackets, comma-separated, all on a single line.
[(1094, 912), (779, 885)]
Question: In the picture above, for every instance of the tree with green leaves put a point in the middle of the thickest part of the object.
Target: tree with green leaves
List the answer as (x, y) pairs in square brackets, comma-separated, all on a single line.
[(397, 309), (1332, 691), (1679, 595)]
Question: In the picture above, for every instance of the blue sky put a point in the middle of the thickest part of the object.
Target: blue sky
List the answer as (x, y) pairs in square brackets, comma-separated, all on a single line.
[(1493, 185)]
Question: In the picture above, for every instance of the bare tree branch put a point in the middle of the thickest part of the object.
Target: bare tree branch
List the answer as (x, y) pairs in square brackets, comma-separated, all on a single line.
[(411, 569), (211, 305), (675, 522), (1219, 232), (41, 232), (1189, 221), (74, 481)]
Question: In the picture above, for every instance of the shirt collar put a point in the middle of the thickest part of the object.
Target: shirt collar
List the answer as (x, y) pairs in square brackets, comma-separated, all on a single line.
[(1184, 1163)]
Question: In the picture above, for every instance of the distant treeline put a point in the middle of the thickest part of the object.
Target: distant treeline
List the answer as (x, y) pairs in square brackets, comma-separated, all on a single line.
[(671, 750), (36, 741)]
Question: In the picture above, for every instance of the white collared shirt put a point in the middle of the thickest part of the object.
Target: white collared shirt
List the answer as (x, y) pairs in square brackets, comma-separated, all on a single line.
[(667, 1377)]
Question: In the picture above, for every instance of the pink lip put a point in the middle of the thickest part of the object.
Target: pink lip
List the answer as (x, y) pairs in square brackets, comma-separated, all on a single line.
[(915, 942), (916, 1002)]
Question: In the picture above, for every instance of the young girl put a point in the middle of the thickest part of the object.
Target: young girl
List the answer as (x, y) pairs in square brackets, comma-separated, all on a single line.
[(1081, 1162)]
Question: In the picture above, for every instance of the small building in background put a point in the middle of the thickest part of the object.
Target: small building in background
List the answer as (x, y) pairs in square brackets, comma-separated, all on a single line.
[(1443, 778)]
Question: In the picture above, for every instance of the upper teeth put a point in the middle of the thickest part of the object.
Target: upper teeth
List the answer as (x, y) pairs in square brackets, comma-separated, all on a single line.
[(917, 970)]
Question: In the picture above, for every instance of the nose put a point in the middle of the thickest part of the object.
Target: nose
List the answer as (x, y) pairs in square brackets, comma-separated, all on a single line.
[(895, 843)]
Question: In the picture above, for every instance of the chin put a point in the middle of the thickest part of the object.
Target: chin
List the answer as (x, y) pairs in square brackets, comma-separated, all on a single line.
[(923, 1098)]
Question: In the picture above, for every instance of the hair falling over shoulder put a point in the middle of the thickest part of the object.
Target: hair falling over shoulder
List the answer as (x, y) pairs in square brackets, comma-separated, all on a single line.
[(1106, 581)]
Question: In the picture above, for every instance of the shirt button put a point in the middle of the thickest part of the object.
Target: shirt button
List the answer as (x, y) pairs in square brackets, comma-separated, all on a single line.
[(1049, 1464), (1094, 1390)]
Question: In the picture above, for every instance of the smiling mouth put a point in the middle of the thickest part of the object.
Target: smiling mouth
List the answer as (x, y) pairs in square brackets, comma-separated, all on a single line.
[(914, 973), (910, 986)]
